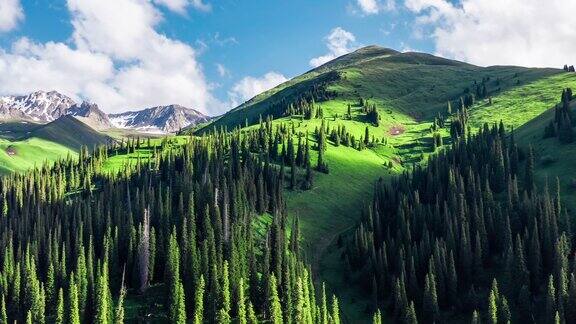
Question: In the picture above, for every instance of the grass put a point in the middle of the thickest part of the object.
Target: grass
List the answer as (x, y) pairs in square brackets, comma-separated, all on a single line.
[(523, 103), (29, 153), (553, 160)]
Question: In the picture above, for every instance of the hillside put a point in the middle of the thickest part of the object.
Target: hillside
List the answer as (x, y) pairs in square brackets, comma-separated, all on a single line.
[(415, 85), (409, 90), (553, 159), (24, 146), (374, 113), (71, 133)]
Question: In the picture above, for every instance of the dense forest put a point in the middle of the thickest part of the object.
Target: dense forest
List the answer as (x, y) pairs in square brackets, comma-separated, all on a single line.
[(77, 241), (470, 233)]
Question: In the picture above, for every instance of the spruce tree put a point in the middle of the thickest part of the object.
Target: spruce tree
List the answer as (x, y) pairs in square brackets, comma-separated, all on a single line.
[(73, 307), (59, 308), (529, 173), (199, 301), (377, 318), (3, 314), (493, 307), (335, 311), (274, 307), (241, 303)]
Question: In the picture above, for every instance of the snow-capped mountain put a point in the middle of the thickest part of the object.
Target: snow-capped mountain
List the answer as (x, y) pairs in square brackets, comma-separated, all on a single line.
[(161, 119), (44, 107), (39, 106)]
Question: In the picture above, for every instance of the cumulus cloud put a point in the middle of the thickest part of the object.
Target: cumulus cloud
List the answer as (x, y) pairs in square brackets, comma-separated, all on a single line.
[(11, 14), (116, 59), (338, 42), (250, 86), (373, 7), (517, 32)]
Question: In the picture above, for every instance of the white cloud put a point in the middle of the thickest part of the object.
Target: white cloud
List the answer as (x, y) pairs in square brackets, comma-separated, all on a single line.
[(11, 13), (222, 70), (180, 6), (517, 32), (249, 86), (338, 42), (369, 7), (373, 7), (117, 59)]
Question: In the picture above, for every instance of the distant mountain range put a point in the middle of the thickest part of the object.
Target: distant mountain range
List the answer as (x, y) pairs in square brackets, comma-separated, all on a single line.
[(44, 107), (169, 119)]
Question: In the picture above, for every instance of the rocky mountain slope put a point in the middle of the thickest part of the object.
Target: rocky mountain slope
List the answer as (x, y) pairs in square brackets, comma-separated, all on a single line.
[(161, 119), (44, 107)]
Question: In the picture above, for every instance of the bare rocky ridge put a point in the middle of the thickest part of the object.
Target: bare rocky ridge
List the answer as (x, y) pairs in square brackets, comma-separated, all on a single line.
[(161, 119)]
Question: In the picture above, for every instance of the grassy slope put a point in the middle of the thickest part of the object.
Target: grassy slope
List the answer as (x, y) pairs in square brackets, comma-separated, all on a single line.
[(409, 90), (30, 153), (523, 103), (563, 155), (36, 144)]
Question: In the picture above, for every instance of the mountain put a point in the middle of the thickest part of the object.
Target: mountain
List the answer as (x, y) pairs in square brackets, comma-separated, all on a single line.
[(39, 106), (161, 119), (410, 92), (45, 107), (90, 114), (71, 133), (416, 85)]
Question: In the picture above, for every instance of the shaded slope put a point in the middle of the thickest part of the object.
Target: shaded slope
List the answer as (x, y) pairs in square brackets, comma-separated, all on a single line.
[(71, 133)]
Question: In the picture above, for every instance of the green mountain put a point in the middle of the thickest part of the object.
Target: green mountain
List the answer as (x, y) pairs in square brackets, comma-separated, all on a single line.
[(415, 85), (342, 159), (411, 92)]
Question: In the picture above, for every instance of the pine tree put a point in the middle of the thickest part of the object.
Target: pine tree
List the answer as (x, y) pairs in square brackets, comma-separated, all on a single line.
[(3, 314), (377, 318), (324, 302), (430, 301), (274, 307), (551, 300), (103, 306), (335, 311), (119, 315), (529, 173), (493, 307), (199, 301), (73, 307), (59, 307), (475, 318), (410, 314), (241, 303), (504, 309), (224, 313), (252, 319), (177, 303)]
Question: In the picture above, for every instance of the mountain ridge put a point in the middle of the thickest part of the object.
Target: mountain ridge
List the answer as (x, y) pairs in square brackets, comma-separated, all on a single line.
[(170, 119), (47, 106)]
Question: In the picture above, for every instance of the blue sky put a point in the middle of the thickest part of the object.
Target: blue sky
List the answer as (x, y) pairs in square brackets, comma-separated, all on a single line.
[(211, 55)]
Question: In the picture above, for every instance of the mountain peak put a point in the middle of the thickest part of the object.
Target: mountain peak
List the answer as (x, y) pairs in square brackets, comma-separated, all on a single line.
[(159, 119)]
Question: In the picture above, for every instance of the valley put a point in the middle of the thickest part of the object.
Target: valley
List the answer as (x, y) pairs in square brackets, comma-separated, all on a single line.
[(374, 114)]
